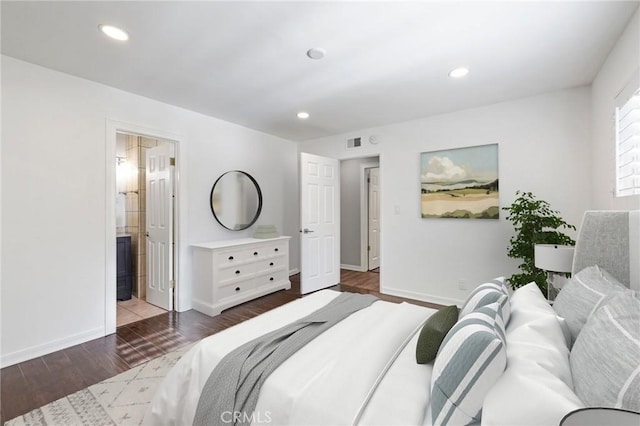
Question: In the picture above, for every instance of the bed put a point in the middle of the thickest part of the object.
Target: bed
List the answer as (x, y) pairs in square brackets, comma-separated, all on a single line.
[(507, 360)]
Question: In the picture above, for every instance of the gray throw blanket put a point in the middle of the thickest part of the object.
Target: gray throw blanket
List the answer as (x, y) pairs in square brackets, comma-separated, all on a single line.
[(230, 394)]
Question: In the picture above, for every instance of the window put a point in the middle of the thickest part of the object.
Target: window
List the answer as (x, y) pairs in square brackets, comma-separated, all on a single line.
[(628, 140)]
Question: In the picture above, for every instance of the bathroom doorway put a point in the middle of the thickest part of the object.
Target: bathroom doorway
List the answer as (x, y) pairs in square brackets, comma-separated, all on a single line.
[(145, 212)]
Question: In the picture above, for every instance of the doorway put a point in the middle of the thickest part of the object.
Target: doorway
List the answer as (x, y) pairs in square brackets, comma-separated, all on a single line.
[(359, 214), (360, 179), (145, 212), (359, 234)]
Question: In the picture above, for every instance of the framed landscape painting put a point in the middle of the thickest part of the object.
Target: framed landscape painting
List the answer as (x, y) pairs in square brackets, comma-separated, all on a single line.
[(460, 183)]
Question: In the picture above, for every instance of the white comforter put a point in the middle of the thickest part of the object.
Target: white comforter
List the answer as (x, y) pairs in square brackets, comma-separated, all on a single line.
[(332, 380)]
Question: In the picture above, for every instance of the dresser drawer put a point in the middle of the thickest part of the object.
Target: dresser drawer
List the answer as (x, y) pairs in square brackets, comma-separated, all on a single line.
[(275, 249), (265, 280), (229, 258), (235, 289), (265, 251), (239, 272), (272, 264)]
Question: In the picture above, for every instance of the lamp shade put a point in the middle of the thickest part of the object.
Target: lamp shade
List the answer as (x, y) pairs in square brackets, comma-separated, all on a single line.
[(553, 257)]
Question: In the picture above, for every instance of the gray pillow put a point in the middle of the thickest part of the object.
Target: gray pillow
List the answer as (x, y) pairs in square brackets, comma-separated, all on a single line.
[(582, 295), (605, 360), (613, 280)]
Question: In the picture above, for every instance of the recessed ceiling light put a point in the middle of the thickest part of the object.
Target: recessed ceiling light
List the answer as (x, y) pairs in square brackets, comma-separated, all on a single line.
[(114, 32), (459, 72), (316, 53), (303, 115)]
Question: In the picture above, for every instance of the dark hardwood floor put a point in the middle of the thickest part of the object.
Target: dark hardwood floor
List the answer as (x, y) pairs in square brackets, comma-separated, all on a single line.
[(369, 282), (37, 382)]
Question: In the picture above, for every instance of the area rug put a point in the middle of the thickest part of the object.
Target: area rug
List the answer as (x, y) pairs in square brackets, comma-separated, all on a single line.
[(119, 400)]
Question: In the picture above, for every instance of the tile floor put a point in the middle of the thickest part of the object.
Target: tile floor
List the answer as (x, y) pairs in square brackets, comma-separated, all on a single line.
[(134, 309)]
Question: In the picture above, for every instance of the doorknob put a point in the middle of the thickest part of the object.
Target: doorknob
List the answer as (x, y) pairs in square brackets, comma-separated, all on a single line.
[(146, 234), (307, 231)]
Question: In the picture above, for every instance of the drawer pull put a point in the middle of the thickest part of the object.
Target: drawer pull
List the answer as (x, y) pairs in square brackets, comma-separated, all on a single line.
[(275, 249), (255, 253), (271, 279), (230, 257), (237, 272), (271, 264), (237, 288)]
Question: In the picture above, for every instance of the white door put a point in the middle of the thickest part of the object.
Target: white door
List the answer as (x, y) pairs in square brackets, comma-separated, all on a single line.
[(320, 222), (374, 218), (159, 223)]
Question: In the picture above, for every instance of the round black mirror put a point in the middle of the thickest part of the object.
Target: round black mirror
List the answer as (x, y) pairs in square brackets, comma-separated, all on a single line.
[(236, 200)]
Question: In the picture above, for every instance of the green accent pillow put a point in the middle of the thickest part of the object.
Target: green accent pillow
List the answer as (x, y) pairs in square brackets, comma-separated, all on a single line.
[(433, 333)]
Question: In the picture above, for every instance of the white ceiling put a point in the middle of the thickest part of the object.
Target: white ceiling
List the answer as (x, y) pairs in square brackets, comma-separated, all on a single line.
[(386, 62)]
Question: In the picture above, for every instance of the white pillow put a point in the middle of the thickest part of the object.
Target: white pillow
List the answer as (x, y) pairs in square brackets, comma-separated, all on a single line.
[(536, 387), (527, 304)]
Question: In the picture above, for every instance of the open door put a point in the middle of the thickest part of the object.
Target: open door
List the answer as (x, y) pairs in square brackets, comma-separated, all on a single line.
[(159, 222), (374, 217), (320, 222)]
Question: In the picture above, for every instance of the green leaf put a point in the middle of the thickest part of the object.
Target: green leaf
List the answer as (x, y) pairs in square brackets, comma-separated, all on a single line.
[(534, 223)]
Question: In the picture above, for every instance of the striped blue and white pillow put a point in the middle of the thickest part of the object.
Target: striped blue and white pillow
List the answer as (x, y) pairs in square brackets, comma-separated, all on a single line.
[(470, 360), (491, 315), (487, 293)]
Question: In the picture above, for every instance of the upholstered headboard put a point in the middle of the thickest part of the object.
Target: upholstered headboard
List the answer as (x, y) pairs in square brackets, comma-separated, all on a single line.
[(611, 240)]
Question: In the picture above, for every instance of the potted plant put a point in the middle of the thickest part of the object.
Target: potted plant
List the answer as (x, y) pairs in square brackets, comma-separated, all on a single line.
[(535, 223)]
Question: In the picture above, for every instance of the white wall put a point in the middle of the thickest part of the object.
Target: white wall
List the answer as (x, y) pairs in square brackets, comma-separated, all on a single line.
[(616, 71), (543, 148), (54, 191), (53, 187)]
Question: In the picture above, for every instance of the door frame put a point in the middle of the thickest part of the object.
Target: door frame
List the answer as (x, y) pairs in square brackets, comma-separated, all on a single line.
[(364, 217), (112, 128)]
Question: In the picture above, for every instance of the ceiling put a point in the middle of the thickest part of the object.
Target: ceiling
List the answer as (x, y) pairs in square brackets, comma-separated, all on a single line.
[(386, 62)]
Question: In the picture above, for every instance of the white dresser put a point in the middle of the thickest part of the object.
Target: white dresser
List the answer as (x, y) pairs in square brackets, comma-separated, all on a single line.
[(227, 273)]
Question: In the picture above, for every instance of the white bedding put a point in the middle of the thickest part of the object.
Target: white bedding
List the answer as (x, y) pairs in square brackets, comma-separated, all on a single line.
[(329, 381), (536, 389)]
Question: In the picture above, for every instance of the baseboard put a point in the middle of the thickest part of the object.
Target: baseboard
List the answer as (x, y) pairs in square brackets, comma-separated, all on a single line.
[(421, 296), (47, 348), (294, 271), (356, 268)]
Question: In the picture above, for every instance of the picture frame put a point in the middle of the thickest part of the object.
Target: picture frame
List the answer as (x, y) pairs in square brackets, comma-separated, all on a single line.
[(460, 183)]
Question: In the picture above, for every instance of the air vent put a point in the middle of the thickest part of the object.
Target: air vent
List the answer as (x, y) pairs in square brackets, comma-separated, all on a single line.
[(354, 143)]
